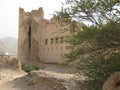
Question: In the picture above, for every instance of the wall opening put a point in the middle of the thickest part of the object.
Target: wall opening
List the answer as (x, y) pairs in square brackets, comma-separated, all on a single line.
[(51, 40), (61, 39), (46, 41), (29, 36), (56, 40)]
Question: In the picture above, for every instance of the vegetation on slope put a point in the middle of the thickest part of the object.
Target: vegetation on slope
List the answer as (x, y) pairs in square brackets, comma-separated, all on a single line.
[(95, 48)]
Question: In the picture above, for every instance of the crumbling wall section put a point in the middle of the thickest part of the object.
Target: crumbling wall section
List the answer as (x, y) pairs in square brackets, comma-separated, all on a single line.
[(23, 40), (27, 42), (52, 41)]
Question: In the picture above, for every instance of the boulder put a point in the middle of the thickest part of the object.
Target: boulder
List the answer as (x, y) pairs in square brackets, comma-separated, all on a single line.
[(113, 82)]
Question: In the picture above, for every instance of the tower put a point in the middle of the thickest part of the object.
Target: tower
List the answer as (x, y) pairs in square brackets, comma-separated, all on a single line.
[(28, 45)]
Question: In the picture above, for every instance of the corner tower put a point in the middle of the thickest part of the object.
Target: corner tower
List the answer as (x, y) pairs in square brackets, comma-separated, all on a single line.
[(28, 45)]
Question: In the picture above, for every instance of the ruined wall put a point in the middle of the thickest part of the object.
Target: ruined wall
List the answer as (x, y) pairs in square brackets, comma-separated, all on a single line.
[(23, 48), (28, 45), (52, 44), (40, 39)]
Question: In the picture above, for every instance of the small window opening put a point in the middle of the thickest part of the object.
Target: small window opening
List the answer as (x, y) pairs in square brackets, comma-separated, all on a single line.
[(51, 40), (67, 47), (29, 36), (46, 41), (61, 39), (56, 40)]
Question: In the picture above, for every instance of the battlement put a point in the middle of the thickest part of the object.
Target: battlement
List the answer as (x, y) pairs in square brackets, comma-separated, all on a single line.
[(37, 15)]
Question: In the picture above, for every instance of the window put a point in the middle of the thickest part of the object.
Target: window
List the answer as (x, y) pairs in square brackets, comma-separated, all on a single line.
[(29, 36), (61, 39), (67, 47), (46, 41), (56, 40), (51, 40)]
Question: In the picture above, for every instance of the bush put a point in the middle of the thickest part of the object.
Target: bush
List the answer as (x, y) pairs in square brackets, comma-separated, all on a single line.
[(99, 70), (30, 68)]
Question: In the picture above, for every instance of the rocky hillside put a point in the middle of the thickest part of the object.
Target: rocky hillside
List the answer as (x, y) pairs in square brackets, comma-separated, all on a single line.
[(8, 44)]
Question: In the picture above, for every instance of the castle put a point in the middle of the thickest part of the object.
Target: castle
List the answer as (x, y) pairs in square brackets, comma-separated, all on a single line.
[(41, 40)]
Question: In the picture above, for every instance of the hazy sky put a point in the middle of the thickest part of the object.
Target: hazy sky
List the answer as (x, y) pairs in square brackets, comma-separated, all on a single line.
[(9, 12)]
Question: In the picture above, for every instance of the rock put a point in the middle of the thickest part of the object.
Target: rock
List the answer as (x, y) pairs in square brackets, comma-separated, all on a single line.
[(113, 82), (8, 63), (42, 80)]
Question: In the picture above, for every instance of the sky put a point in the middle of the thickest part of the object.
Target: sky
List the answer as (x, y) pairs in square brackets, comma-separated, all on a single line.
[(9, 13)]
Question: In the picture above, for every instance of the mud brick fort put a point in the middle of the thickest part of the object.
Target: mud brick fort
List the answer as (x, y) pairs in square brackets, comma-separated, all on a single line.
[(41, 40)]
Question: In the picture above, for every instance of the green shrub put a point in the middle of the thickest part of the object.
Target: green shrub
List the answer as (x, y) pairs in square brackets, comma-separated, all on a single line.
[(30, 68)]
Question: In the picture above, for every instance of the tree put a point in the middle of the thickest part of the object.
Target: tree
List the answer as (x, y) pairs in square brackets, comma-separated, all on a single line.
[(96, 49), (95, 11), (97, 55)]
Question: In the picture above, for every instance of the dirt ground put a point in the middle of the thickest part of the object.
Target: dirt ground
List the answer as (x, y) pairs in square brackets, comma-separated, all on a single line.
[(39, 80), (49, 77)]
